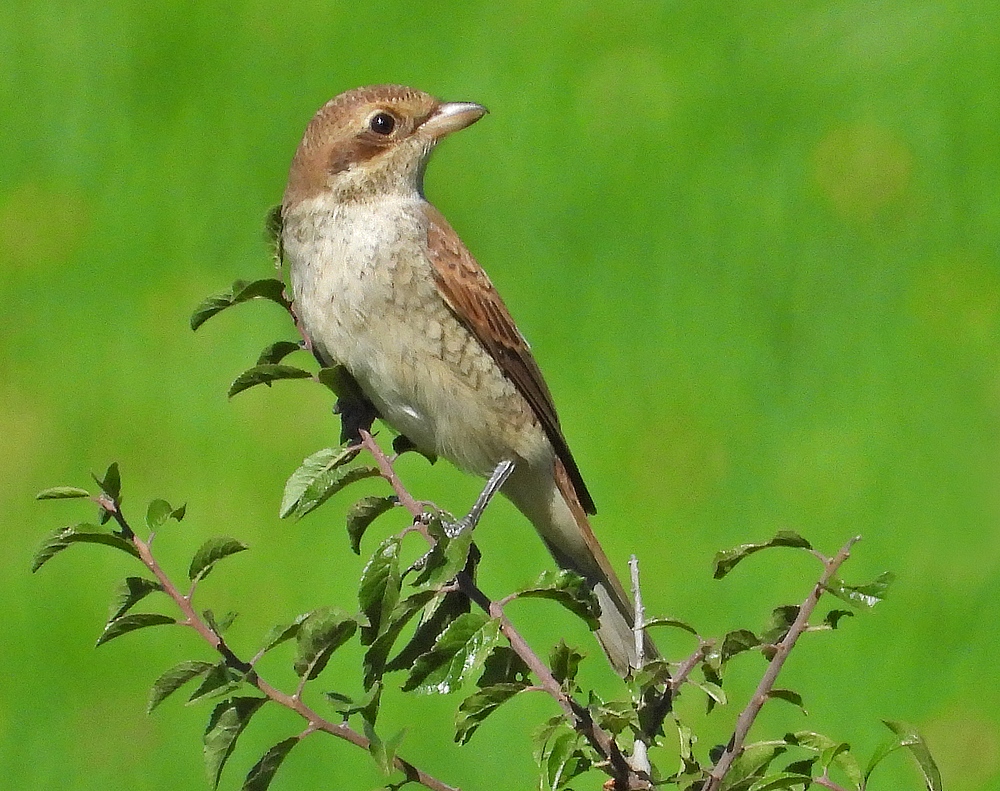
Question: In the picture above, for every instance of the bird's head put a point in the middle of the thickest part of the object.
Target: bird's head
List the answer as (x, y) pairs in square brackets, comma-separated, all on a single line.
[(373, 141)]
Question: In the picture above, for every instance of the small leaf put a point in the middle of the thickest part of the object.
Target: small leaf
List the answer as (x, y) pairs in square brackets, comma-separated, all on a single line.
[(111, 484), (862, 596), (61, 493), (714, 691), (210, 553), (829, 751), (477, 707), (265, 375), (312, 483), (363, 513), (672, 622), (908, 737), (752, 762), (788, 696), (79, 534), (375, 657), (130, 591), (240, 292), (726, 560), (383, 751), (438, 613), (322, 633), (219, 625), (782, 780), (273, 225), (225, 725), (174, 679), (833, 618), (282, 632), (564, 663), (277, 351), (160, 511), (262, 773), (781, 621), (571, 591), (379, 589), (219, 680), (131, 622), (616, 715), (736, 642), (457, 655), (504, 666), (367, 707), (445, 560)]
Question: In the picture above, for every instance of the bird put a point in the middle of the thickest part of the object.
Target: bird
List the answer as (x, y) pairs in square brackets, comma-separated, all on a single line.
[(384, 287)]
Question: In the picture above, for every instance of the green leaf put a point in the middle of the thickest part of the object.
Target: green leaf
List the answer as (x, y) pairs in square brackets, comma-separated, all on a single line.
[(111, 484), (61, 493), (363, 513), (79, 534), (616, 715), (219, 625), (736, 642), (383, 751), (568, 589), (782, 780), (219, 680), (907, 736), (563, 761), (130, 591), (445, 560), (714, 691), (788, 696), (379, 589), (173, 679), (273, 225), (277, 351), (829, 752), (227, 722), (504, 666), (752, 762), (210, 553), (265, 375), (438, 613), (374, 662), (282, 632), (862, 596), (477, 707), (322, 633), (131, 622), (318, 478), (457, 655), (833, 618), (726, 560), (262, 773), (781, 621), (160, 511), (564, 663), (367, 707), (671, 622), (241, 291)]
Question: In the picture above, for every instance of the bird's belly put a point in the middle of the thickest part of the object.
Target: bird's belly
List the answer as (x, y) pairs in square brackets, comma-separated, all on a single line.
[(382, 318)]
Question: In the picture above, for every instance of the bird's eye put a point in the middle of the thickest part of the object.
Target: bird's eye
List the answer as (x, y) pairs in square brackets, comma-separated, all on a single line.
[(382, 124)]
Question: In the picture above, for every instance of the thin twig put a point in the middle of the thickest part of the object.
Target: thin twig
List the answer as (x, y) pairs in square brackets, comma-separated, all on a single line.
[(292, 702), (624, 777), (781, 650), (640, 756)]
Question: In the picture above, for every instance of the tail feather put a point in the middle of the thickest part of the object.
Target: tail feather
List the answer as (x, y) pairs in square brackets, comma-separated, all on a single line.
[(564, 527)]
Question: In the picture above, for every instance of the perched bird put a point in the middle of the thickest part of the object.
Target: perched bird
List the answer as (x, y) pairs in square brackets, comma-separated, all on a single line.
[(384, 287)]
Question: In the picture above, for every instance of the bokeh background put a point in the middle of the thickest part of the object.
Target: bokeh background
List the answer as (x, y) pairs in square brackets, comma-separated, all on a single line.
[(755, 249)]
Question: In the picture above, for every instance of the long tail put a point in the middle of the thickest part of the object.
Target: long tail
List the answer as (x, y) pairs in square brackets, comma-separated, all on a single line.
[(552, 506)]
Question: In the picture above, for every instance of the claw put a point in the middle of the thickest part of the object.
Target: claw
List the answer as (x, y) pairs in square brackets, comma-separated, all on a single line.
[(469, 522)]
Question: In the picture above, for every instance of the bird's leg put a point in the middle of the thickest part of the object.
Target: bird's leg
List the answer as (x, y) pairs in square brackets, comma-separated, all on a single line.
[(496, 480)]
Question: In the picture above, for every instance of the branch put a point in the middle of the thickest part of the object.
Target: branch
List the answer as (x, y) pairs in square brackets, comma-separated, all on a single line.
[(216, 641), (624, 777), (781, 650)]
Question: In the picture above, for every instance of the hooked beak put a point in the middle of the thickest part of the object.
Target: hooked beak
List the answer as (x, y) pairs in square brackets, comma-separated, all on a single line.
[(451, 117)]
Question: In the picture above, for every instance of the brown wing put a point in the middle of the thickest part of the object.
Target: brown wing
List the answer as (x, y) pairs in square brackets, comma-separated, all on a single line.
[(467, 290)]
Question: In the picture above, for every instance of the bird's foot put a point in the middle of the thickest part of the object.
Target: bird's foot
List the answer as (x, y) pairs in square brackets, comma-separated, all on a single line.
[(470, 520)]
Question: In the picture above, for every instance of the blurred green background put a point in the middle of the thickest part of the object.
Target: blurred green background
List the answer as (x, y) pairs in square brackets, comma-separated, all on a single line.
[(755, 249)]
